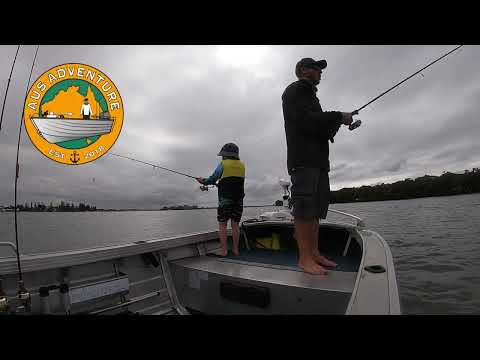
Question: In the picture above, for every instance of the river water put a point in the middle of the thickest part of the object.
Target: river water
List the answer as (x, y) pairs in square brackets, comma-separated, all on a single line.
[(435, 242)]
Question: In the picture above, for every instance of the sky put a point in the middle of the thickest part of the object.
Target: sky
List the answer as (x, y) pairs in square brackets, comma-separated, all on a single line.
[(182, 103)]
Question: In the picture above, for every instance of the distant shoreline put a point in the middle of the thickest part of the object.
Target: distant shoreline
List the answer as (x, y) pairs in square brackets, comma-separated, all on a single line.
[(448, 184), (249, 206), (120, 210)]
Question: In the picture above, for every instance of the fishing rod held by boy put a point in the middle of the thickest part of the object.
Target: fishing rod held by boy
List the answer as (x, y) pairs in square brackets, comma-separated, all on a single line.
[(202, 187)]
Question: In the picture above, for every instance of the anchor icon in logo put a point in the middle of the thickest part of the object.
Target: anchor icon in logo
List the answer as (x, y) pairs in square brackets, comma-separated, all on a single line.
[(75, 158)]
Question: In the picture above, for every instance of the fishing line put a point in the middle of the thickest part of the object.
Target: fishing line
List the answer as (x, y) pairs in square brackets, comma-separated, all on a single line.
[(8, 84), (358, 122), (17, 167)]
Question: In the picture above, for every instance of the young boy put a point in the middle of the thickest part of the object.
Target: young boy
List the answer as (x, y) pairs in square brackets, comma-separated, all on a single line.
[(231, 175)]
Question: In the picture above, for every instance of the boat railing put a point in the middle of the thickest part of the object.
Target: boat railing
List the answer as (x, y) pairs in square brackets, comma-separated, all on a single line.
[(97, 117), (9, 244), (360, 221), (60, 116)]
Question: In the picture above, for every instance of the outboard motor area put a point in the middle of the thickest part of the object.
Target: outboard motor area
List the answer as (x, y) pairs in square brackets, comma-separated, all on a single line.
[(284, 213)]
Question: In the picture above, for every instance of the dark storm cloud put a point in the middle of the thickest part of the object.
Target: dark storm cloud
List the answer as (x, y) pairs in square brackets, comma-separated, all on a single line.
[(182, 103)]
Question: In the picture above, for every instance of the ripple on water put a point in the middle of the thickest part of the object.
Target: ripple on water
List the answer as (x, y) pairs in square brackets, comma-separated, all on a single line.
[(433, 268), (419, 244), (472, 279)]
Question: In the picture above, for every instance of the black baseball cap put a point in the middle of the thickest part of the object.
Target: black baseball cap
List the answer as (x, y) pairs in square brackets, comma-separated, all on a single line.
[(310, 63)]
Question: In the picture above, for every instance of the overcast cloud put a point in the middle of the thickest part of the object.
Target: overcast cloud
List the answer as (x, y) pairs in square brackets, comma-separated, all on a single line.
[(182, 103)]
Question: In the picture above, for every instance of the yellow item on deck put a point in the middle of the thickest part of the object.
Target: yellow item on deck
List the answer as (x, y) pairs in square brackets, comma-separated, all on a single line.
[(271, 243)]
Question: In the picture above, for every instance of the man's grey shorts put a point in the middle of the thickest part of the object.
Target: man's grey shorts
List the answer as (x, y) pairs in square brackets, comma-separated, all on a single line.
[(310, 193)]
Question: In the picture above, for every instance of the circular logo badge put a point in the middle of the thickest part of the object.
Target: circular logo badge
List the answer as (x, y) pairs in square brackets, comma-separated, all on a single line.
[(73, 113)]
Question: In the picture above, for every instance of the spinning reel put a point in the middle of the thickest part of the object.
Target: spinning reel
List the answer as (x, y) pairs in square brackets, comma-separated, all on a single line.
[(206, 187)]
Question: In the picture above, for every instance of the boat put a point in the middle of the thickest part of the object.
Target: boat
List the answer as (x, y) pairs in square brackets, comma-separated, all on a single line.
[(58, 128), (184, 275)]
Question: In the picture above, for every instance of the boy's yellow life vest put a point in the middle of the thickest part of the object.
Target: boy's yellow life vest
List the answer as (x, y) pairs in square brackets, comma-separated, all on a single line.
[(233, 168), (231, 184)]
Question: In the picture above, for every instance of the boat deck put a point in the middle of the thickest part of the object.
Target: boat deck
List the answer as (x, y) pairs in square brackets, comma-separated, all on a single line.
[(216, 285), (338, 281), (290, 259)]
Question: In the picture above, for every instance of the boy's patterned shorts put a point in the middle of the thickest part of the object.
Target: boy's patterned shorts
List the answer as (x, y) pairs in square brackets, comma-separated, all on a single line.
[(231, 211)]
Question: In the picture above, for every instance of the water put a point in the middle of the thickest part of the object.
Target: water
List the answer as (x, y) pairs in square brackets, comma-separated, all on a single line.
[(434, 241)]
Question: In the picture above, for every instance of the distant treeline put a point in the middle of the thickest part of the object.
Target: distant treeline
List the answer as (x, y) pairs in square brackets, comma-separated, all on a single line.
[(180, 207), (63, 206), (446, 184)]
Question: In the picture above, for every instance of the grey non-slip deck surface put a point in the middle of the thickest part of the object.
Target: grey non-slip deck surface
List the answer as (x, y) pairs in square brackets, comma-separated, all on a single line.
[(341, 281), (290, 258)]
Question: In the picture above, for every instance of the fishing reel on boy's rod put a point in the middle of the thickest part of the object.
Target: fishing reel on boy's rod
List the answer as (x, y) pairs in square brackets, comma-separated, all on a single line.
[(206, 187)]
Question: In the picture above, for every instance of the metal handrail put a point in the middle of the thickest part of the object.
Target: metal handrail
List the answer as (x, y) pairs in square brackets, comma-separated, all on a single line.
[(93, 117), (12, 245), (360, 221), (132, 301)]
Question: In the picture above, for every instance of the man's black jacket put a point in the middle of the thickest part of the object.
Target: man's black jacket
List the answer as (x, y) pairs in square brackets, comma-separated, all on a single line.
[(308, 128)]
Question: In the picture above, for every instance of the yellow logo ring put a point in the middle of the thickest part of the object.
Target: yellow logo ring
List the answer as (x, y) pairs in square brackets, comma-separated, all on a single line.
[(73, 113)]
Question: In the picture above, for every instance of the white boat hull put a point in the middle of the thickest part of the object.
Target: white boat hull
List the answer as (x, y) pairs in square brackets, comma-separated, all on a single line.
[(56, 130)]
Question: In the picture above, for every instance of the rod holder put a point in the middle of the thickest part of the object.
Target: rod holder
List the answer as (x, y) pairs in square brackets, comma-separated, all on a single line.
[(4, 306), (24, 297)]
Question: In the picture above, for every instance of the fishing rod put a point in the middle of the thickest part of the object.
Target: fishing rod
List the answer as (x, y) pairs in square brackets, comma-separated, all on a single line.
[(202, 187), (155, 166), (357, 123), (22, 292), (8, 84)]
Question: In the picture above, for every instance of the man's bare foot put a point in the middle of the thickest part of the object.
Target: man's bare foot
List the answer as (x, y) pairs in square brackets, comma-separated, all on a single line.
[(223, 252), (311, 267), (322, 260), (236, 253)]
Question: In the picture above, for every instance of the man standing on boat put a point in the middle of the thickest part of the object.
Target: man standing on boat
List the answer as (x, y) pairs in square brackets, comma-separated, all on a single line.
[(231, 175), (86, 110), (308, 130)]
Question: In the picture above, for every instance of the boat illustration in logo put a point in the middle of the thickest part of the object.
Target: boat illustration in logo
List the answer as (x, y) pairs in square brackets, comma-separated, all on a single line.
[(58, 128)]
